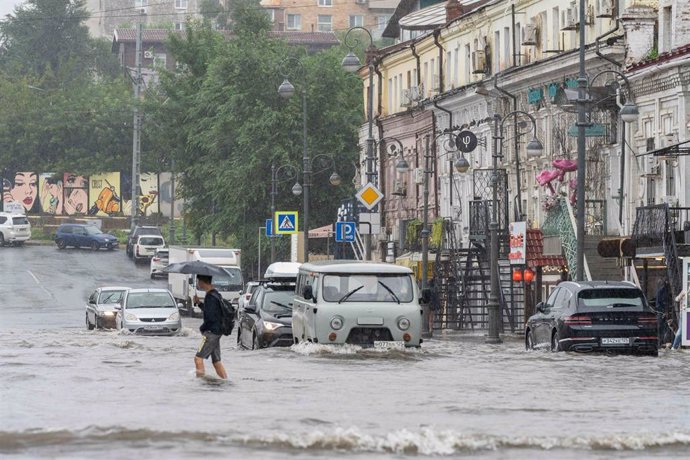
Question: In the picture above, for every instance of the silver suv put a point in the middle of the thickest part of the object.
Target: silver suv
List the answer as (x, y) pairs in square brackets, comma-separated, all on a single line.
[(14, 229)]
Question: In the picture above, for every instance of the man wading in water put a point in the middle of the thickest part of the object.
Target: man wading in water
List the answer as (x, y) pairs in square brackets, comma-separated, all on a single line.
[(211, 329)]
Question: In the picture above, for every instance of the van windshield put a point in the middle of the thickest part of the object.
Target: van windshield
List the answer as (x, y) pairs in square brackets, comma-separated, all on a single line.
[(233, 282), (367, 288)]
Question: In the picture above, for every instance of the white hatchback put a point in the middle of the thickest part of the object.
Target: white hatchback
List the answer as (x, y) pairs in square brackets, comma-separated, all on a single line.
[(149, 311)]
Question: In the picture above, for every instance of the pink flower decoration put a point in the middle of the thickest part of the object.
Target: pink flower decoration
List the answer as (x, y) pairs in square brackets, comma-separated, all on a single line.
[(565, 165), (546, 177)]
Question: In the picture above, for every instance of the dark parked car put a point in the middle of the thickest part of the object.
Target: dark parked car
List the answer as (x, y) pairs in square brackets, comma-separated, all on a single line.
[(138, 231), (84, 236), (594, 316), (267, 320)]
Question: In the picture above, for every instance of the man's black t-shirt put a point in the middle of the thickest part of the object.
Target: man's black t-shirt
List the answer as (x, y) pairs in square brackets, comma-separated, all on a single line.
[(213, 313)]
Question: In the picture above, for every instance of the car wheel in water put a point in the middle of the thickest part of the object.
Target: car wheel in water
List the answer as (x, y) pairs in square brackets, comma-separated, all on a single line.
[(529, 343), (555, 342), (2, 240), (89, 326), (94, 246), (19, 244), (60, 244)]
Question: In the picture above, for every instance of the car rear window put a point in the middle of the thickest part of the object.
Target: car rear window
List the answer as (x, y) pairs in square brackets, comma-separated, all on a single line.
[(20, 221), (150, 241), (598, 299)]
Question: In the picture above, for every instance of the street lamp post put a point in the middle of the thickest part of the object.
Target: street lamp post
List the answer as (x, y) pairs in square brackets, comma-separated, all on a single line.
[(534, 148), (351, 63), (286, 90)]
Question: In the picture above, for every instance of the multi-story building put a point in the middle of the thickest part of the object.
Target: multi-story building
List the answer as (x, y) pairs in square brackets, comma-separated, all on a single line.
[(469, 61), (330, 15)]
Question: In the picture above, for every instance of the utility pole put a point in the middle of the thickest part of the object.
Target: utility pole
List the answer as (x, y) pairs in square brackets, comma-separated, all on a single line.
[(581, 159), (136, 141), (425, 234), (172, 202)]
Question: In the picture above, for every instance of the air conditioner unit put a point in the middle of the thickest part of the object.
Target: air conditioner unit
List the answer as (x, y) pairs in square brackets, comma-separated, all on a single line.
[(606, 9), (479, 61), (653, 170), (669, 139), (529, 34), (399, 188), (148, 54), (405, 99), (415, 93), (141, 10), (569, 19)]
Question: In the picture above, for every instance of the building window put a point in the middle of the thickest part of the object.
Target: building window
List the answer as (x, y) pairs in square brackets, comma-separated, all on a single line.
[(356, 20), (382, 21), (159, 60), (325, 23), (325, 2), (180, 26), (271, 14), (294, 22), (181, 4), (141, 3)]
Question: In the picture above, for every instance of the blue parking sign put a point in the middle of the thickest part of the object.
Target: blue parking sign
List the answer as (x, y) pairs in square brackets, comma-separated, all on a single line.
[(345, 232), (269, 227)]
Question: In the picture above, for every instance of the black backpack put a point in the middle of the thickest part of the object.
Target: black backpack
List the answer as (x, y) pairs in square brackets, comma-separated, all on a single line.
[(227, 322)]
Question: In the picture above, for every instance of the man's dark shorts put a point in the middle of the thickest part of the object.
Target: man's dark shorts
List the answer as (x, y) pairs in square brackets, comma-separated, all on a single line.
[(210, 346)]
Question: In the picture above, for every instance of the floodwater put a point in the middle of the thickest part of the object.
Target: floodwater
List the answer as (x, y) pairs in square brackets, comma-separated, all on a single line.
[(66, 392)]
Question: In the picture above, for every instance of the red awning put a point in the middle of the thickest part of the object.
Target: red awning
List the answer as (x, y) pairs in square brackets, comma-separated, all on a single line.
[(322, 232)]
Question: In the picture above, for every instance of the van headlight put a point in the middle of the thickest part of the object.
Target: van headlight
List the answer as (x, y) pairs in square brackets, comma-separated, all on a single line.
[(174, 317), (403, 324), (337, 323), (131, 317)]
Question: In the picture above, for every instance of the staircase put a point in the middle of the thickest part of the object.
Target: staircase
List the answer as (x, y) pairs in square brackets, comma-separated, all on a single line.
[(512, 299), (601, 268)]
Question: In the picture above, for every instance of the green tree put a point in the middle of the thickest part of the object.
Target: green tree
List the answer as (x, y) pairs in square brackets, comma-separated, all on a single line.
[(229, 125)]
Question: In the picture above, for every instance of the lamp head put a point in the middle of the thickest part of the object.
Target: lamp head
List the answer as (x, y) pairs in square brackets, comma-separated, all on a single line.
[(461, 164), (286, 89), (297, 189), (351, 62), (335, 179), (534, 148), (629, 112), (402, 166)]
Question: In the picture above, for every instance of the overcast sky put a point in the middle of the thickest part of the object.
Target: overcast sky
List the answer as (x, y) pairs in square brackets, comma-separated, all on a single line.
[(7, 6)]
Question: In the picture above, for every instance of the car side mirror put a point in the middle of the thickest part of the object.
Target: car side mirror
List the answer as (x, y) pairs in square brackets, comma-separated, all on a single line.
[(250, 309), (117, 307), (180, 305), (426, 295), (541, 308), (307, 293)]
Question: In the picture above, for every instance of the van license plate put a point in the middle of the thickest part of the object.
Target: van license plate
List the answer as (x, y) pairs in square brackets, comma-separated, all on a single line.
[(615, 341), (389, 344)]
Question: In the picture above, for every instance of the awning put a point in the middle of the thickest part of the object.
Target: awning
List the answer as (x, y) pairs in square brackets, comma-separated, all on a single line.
[(669, 150), (322, 232)]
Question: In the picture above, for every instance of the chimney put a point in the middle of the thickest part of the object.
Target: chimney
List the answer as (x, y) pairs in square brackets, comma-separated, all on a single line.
[(453, 10)]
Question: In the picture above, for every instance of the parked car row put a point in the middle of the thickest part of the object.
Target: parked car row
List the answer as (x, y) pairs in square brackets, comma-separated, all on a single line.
[(141, 311)]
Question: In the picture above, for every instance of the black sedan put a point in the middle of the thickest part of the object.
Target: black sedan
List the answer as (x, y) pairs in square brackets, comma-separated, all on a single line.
[(593, 316), (267, 320)]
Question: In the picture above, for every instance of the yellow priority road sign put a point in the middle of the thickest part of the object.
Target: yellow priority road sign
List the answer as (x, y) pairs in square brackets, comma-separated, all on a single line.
[(369, 195)]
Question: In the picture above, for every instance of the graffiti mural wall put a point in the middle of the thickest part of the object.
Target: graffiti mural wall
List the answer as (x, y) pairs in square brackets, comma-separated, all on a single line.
[(50, 193), (76, 192), (70, 194)]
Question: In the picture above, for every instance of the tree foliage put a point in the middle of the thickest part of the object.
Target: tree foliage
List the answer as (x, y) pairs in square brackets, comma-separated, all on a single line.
[(229, 125)]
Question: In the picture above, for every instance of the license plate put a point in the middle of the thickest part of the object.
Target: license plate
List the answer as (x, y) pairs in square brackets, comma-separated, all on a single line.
[(153, 328), (389, 344), (615, 341)]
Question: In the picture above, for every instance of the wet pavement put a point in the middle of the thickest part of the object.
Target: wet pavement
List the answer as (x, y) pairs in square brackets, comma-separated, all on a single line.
[(66, 392)]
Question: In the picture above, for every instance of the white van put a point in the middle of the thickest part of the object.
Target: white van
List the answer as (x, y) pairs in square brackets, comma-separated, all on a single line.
[(360, 303)]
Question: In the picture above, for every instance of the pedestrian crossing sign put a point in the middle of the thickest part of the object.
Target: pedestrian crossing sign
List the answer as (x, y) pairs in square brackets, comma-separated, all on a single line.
[(286, 222)]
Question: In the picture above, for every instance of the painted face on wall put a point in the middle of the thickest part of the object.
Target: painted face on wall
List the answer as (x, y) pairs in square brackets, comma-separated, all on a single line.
[(25, 189), (76, 201)]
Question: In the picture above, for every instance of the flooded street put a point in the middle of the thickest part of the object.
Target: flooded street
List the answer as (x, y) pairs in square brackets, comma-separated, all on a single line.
[(66, 392)]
